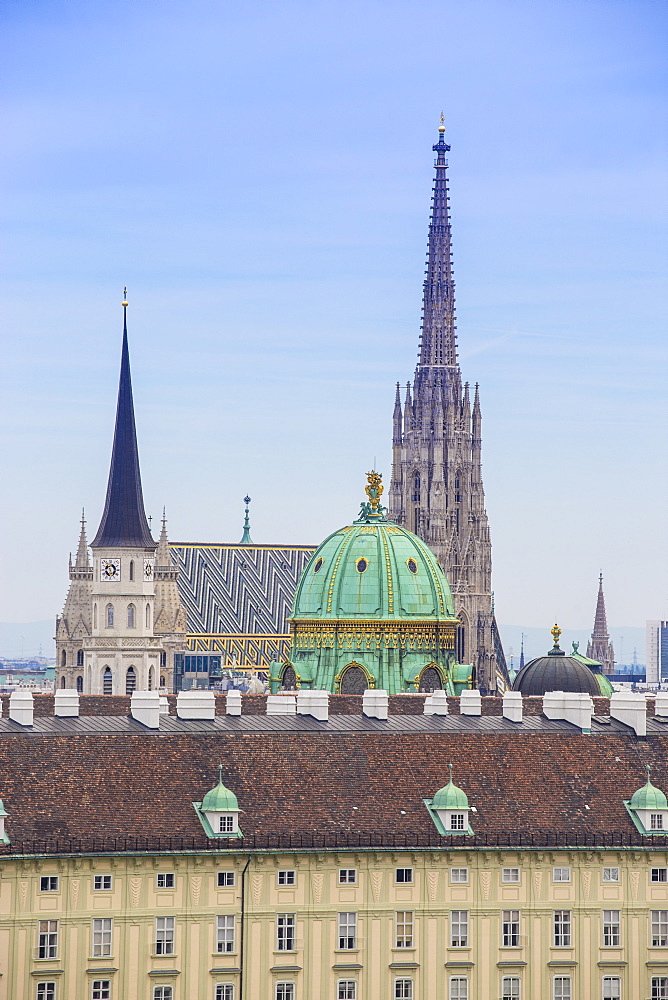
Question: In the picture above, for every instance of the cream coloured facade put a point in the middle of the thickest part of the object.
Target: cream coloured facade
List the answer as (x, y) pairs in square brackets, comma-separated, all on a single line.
[(432, 922)]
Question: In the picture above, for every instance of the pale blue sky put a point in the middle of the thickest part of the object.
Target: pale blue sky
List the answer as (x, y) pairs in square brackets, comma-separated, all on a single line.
[(259, 175)]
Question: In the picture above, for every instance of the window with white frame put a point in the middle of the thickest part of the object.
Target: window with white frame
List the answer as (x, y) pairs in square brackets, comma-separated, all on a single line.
[(46, 991), (459, 875), (164, 880), (510, 874), (49, 883), (347, 931), (459, 988), (404, 875), (224, 991), (226, 823), (347, 876), (659, 986), (659, 875), (656, 821), (103, 882), (659, 924), (225, 933), (100, 989), (612, 988), (164, 935), (611, 929), (562, 928), (403, 989), (561, 874), (285, 932), (346, 989), (101, 937), (457, 821), (610, 875), (459, 928), (226, 879), (562, 988), (163, 993), (510, 928), (287, 877), (510, 988), (47, 939), (404, 928), (285, 991)]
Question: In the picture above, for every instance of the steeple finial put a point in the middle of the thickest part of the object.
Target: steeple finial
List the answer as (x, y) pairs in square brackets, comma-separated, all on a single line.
[(246, 538), (220, 774), (124, 303), (555, 632), (441, 127)]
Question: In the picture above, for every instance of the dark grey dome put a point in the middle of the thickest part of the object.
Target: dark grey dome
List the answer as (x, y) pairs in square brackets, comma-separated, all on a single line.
[(555, 672)]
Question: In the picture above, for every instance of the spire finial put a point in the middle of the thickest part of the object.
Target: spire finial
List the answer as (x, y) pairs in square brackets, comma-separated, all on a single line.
[(83, 517), (124, 303), (555, 633), (441, 127), (164, 516), (246, 538), (450, 766), (220, 774), (649, 767)]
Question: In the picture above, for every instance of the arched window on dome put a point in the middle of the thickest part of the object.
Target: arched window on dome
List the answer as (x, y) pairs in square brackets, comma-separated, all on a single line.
[(130, 680), (131, 616), (430, 679), (63, 658), (80, 658), (110, 616), (80, 684), (107, 681), (354, 679), (289, 679)]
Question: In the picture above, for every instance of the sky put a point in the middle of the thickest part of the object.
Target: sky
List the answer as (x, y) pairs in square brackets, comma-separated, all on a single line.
[(259, 176)]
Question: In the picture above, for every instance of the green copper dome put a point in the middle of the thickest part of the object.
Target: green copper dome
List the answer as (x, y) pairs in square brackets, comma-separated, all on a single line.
[(648, 797), (220, 799), (450, 797)]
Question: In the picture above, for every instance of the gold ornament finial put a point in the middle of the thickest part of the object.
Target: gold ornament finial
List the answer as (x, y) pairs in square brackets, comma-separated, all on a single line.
[(556, 632), (125, 296), (374, 488), (441, 127)]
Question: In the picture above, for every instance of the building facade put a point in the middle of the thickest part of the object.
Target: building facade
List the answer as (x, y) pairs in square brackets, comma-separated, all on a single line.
[(657, 651), (437, 489), (599, 647)]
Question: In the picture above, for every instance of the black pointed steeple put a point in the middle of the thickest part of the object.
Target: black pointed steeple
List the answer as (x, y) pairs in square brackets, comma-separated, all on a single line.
[(124, 523)]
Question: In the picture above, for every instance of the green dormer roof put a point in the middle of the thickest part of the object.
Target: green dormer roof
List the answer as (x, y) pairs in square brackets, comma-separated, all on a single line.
[(220, 799), (450, 797), (648, 797)]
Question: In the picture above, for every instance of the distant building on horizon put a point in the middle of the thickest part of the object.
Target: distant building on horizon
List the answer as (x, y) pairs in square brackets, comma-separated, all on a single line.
[(657, 651), (599, 646)]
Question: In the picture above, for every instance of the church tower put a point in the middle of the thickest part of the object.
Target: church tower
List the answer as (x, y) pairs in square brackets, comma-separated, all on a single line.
[(74, 625), (599, 646), (436, 489)]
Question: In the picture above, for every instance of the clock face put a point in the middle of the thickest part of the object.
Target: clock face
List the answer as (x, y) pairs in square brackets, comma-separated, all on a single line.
[(110, 569), (148, 569)]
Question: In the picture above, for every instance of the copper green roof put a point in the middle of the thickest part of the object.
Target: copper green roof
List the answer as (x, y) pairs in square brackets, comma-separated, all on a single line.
[(450, 797), (220, 799), (648, 797)]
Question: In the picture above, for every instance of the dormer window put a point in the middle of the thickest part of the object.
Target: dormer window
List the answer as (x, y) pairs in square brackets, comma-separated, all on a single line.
[(648, 808), (226, 823), (218, 811), (457, 821), (656, 821), (449, 809)]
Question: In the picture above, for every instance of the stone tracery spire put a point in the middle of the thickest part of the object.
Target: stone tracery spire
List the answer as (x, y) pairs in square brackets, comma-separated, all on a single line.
[(599, 646)]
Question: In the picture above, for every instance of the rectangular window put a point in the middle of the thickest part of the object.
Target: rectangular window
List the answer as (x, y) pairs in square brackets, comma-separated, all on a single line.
[(226, 879), (225, 934), (285, 991), (102, 937), (404, 875), (404, 928), (611, 929), (561, 988), (403, 989), (659, 920), (659, 987), (164, 880), (163, 993), (459, 875), (510, 928), (347, 930), (456, 821), (611, 874), (46, 991), (285, 932), (561, 874), (47, 940), (347, 876), (659, 875), (226, 824), (612, 988), (656, 821), (49, 883), (102, 882), (510, 988), (562, 928), (459, 988), (510, 875), (100, 989), (459, 928), (225, 991), (346, 989), (287, 878), (164, 935)]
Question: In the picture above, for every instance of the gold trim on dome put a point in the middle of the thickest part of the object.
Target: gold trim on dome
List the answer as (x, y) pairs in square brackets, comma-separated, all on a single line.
[(371, 680), (373, 635), (390, 585), (365, 560), (344, 545)]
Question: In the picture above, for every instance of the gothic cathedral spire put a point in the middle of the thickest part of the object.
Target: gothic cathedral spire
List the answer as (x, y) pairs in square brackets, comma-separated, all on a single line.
[(599, 646), (436, 488)]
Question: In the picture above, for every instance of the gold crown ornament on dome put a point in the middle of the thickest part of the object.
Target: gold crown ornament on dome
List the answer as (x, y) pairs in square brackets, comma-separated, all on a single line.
[(555, 633), (374, 488)]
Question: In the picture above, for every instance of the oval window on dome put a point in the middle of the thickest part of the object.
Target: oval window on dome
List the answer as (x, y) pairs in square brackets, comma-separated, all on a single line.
[(362, 565), (318, 566), (412, 565)]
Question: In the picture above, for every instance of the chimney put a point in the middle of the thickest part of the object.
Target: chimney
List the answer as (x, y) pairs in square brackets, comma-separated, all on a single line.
[(196, 705), (21, 707), (631, 709), (145, 708), (66, 703), (661, 704), (575, 707), (233, 702), (281, 704), (164, 705), (436, 703), (314, 703), (470, 703), (512, 706), (375, 704)]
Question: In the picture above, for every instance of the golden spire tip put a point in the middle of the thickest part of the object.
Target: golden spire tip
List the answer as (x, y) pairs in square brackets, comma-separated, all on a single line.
[(125, 295), (441, 127)]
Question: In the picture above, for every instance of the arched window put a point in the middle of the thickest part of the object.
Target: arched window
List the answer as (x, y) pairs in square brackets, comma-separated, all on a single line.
[(132, 569), (95, 616), (162, 681), (110, 615), (416, 487), (63, 658), (107, 682), (148, 616), (163, 659), (79, 657), (130, 680), (80, 684), (62, 682), (150, 678), (131, 616)]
